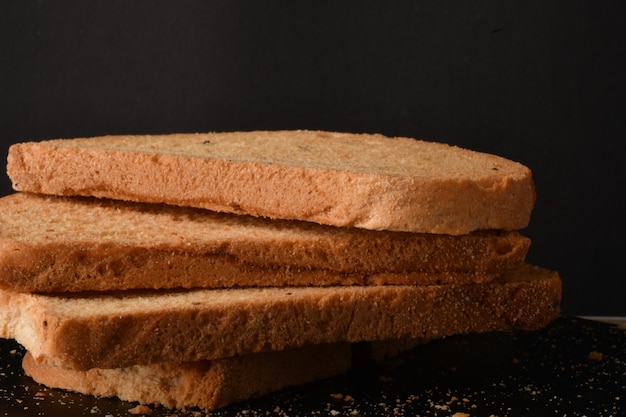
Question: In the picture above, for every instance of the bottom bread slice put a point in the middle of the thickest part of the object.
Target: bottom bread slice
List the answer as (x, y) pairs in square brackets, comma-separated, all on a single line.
[(205, 384), (123, 329)]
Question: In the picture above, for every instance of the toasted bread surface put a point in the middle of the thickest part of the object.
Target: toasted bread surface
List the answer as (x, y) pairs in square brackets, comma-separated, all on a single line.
[(57, 244), (83, 331), (363, 180), (205, 384)]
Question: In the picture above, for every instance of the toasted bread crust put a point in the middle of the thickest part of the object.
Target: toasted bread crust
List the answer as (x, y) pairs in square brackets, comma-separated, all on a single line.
[(205, 384), (82, 332), (57, 244), (366, 181)]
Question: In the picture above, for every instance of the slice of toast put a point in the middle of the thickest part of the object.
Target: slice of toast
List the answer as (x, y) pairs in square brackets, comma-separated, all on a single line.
[(57, 244), (83, 331), (339, 179), (205, 384)]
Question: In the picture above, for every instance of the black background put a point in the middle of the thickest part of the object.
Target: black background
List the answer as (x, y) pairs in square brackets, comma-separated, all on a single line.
[(538, 82)]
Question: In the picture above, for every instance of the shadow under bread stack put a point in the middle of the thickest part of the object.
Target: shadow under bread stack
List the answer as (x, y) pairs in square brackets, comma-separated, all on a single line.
[(204, 269)]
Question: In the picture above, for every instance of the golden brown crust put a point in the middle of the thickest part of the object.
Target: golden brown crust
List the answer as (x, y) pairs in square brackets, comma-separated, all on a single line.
[(56, 244), (205, 384), (124, 329), (366, 181)]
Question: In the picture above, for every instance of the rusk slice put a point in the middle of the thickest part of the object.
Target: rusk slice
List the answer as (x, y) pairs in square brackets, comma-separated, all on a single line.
[(205, 384), (123, 329), (58, 244), (339, 179)]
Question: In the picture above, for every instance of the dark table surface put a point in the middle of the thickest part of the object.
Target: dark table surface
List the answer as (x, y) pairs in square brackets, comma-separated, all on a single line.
[(574, 367)]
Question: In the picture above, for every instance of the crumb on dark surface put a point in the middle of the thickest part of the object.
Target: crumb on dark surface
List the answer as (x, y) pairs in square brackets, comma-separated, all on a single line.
[(140, 410)]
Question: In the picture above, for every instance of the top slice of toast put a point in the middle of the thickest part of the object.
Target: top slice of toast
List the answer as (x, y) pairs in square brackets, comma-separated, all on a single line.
[(339, 179)]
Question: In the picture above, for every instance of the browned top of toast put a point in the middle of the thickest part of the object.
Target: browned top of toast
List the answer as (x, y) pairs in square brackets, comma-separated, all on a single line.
[(339, 179)]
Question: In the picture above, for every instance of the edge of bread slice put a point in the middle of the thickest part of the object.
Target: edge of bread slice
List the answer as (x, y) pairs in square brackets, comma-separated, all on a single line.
[(363, 180), (205, 384), (83, 331), (58, 244)]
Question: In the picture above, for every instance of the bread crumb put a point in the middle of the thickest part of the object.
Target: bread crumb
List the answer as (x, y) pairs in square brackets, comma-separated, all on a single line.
[(458, 414), (140, 410), (596, 356)]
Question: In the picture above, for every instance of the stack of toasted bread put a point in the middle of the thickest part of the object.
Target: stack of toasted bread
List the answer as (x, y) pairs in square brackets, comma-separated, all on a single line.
[(203, 269)]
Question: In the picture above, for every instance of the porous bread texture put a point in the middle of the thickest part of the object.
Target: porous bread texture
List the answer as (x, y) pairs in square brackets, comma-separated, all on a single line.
[(363, 180), (123, 329), (206, 384), (58, 244)]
